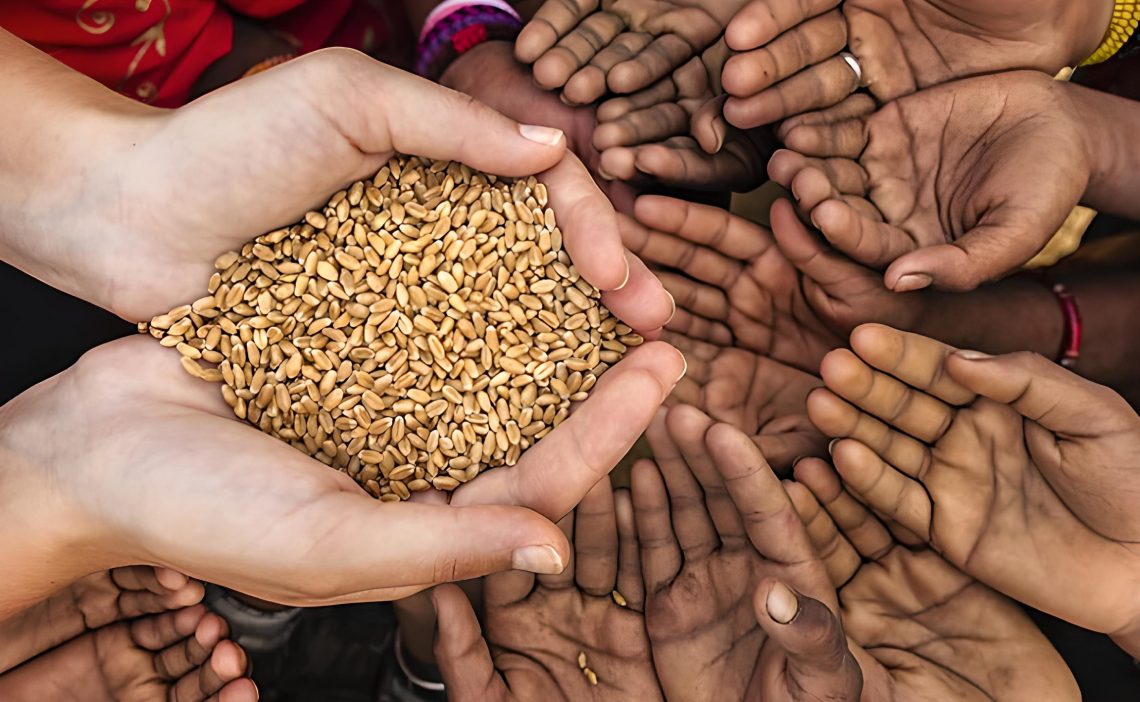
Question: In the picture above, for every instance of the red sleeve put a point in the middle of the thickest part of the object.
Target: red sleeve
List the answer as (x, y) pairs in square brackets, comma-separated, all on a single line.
[(150, 50)]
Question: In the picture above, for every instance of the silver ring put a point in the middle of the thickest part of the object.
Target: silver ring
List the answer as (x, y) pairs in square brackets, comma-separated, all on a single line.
[(855, 66)]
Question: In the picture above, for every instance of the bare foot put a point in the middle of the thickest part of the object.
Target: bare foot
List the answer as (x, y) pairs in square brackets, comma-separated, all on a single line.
[(180, 655), (90, 603), (1026, 506)]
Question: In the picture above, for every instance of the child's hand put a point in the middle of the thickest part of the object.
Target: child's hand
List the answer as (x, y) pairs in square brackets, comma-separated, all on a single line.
[(789, 60), (952, 186), (920, 628), (763, 398), (994, 487), (621, 46), (733, 285), (714, 525), (579, 635)]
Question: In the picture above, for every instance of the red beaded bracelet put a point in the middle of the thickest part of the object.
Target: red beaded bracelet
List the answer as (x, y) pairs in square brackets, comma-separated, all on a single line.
[(1073, 329)]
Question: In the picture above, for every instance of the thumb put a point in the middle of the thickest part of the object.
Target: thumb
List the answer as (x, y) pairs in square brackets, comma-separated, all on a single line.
[(460, 651), (818, 660), (1035, 387), (985, 253)]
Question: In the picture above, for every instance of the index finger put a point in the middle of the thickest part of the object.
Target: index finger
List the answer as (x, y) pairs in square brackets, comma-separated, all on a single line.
[(589, 224)]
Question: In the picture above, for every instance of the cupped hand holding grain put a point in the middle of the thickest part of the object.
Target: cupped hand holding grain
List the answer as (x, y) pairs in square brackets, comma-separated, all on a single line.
[(125, 458), (166, 192)]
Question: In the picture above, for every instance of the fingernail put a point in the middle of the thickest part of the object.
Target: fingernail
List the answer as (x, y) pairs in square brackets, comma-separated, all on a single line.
[(547, 136), (796, 461), (720, 131), (796, 195), (782, 603), (912, 282), (604, 176), (625, 280), (812, 218), (537, 559), (673, 303), (972, 355), (831, 446), (684, 370)]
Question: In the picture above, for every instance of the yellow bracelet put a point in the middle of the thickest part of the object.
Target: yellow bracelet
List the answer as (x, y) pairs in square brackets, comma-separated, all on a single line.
[(1125, 17)]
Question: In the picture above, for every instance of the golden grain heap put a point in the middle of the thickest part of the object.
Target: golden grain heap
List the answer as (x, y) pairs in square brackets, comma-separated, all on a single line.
[(423, 327)]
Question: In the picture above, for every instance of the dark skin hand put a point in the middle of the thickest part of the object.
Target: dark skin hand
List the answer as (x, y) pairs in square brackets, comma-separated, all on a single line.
[(177, 656), (673, 132), (920, 628), (952, 186), (734, 287), (763, 398), (589, 48), (789, 64), (704, 556), (536, 628), (92, 602), (490, 73), (999, 484)]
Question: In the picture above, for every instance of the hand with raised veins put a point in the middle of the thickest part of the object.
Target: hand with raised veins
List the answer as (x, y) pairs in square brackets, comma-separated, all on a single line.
[(919, 627), (155, 469), (588, 48), (576, 635), (714, 528), (789, 52), (952, 186), (1015, 471)]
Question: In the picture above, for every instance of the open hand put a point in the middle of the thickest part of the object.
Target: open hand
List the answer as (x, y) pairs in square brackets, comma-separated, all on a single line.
[(765, 399), (789, 63), (156, 469), (733, 285), (545, 636), (704, 554), (617, 45), (921, 628), (952, 186), (989, 485)]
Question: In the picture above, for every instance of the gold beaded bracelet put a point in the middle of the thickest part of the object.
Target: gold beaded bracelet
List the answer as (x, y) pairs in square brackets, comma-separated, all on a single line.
[(1125, 16)]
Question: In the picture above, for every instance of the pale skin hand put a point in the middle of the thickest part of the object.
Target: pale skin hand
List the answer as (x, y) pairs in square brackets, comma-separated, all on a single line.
[(704, 555), (788, 62), (256, 155), (920, 628), (961, 471), (737, 288), (135, 482), (181, 655), (90, 603), (952, 186), (623, 46), (536, 627)]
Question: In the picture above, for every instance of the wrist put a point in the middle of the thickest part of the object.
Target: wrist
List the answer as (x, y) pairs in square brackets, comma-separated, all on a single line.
[(63, 205), (465, 73), (48, 543), (1084, 25), (1108, 125)]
